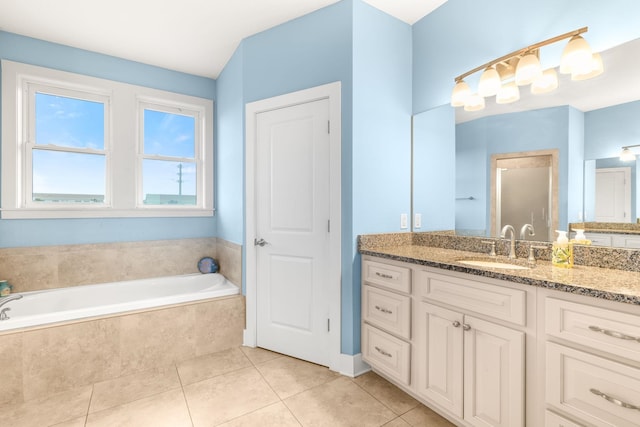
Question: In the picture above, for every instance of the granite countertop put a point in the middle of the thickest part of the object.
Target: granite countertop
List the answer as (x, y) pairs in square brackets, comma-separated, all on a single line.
[(616, 285)]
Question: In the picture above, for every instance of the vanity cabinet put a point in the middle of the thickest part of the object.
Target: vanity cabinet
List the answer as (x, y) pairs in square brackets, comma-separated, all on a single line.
[(473, 367), (453, 342), (592, 362), (631, 241), (386, 316)]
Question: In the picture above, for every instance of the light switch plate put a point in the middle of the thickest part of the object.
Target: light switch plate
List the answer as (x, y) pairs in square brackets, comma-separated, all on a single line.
[(404, 221), (417, 221)]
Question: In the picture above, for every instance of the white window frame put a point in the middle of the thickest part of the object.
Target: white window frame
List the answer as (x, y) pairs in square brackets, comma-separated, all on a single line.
[(122, 145), (146, 103)]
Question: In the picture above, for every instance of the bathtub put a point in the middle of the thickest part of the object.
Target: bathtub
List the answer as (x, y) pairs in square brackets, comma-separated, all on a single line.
[(38, 308)]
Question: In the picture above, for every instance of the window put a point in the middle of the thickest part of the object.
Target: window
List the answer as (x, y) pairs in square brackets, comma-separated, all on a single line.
[(76, 146)]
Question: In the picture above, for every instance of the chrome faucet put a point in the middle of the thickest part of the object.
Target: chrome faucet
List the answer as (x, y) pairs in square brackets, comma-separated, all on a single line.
[(3, 301), (512, 248), (524, 229)]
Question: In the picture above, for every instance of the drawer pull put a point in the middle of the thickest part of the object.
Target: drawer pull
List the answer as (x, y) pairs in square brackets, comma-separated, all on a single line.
[(614, 334), (382, 352), (384, 310), (614, 400), (384, 276)]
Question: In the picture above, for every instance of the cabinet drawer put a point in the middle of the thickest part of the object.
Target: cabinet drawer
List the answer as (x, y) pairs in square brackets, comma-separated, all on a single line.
[(387, 310), (600, 328), (387, 275), (484, 298), (386, 353), (591, 388), (552, 419), (599, 239)]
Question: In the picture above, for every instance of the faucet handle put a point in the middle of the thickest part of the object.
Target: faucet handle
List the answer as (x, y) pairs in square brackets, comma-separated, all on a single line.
[(531, 261), (493, 246)]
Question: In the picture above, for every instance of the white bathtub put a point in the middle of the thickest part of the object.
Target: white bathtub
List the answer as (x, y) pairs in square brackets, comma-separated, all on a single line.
[(64, 304)]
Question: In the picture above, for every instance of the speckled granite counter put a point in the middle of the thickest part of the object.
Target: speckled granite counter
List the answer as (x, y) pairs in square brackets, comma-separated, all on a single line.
[(607, 227), (616, 285)]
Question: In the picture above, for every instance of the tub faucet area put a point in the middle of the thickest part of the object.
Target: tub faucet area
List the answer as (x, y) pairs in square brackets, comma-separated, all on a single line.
[(5, 300), (512, 247)]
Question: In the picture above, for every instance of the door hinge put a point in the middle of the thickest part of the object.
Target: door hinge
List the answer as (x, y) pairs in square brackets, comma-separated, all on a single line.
[(328, 325), (328, 126), (328, 226)]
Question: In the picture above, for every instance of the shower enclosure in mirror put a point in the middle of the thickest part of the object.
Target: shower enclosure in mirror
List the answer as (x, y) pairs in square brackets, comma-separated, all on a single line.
[(522, 189)]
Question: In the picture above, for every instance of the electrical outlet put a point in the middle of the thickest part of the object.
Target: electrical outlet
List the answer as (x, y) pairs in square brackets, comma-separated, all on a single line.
[(417, 221), (404, 221)]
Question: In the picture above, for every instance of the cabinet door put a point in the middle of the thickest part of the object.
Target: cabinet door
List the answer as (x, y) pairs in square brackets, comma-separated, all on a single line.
[(494, 374), (439, 362)]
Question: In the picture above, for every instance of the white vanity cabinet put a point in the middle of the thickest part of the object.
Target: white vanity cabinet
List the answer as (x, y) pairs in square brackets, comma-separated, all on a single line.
[(454, 342), (386, 318), (617, 240), (592, 361), (466, 363)]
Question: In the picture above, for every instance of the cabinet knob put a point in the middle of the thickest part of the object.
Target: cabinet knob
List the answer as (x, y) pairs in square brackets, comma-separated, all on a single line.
[(466, 327), (456, 324)]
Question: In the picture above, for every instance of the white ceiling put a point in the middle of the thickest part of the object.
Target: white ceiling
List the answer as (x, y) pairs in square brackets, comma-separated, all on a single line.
[(192, 36)]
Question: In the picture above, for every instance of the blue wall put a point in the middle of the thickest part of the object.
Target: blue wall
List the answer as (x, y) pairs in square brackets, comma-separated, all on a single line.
[(36, 232), (381, 141)]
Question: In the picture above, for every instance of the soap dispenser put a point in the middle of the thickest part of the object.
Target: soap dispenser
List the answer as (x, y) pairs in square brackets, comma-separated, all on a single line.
[(562, 251), (580, 238)]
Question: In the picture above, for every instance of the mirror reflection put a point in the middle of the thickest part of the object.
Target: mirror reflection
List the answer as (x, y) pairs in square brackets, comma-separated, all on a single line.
[(587, 122)]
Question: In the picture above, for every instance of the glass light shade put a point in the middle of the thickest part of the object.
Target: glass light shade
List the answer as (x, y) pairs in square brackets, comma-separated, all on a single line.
[(576, 57), (460, 93), (627, 155), (489, 82), (508, 93), (597, 68), (545, 84), (528, 69), (474, 102)]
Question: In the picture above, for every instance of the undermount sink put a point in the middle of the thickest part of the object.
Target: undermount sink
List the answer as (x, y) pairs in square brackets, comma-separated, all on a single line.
[(492, 264)]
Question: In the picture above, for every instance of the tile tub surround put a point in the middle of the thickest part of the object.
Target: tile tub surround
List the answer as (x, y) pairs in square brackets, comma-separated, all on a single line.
[(42, 361), (49, 267), (606, 283)]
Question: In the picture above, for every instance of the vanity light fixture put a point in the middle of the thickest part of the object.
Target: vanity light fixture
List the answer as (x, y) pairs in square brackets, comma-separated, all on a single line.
[(502, 76), (627, 155)]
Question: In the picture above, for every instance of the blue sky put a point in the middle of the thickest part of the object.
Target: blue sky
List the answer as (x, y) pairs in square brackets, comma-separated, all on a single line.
[(76, 123)]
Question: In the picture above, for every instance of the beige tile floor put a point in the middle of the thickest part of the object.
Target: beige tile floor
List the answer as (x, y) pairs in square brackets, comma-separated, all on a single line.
[(237, 387)]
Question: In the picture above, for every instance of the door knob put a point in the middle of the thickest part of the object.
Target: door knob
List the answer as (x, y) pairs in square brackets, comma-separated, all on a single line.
[(259, 242)]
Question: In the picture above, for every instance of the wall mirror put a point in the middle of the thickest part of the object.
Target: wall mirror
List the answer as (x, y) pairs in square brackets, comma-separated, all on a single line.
[(587, 122)]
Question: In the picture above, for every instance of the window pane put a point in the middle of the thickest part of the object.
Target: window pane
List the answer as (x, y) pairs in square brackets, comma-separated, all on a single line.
[(168, 183), (60, 177), (69, 122), (168, 134)]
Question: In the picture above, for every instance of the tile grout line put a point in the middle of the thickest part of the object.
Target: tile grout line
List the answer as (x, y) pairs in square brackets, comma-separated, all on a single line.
[(385, 405), (86, 416), (184, 395)]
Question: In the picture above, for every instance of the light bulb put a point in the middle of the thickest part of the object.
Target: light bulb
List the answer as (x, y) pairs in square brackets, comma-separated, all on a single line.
[(528, 69), (546, 83), (460, 93), (576, 57), (474, 103), (489, 82), (508, 93)]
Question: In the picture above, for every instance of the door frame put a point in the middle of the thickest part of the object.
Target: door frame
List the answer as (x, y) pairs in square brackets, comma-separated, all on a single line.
[(332, 92)]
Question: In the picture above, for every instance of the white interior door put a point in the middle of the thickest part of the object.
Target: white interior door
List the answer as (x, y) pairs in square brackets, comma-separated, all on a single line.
[(613, 195), (292, 230)]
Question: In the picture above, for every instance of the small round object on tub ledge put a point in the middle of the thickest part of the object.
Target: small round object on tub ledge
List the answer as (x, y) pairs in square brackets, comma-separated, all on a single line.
[(208, 265)]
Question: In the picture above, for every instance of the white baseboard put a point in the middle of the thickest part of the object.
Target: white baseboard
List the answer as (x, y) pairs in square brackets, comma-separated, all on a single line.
[(248, 338), (351, 365)]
